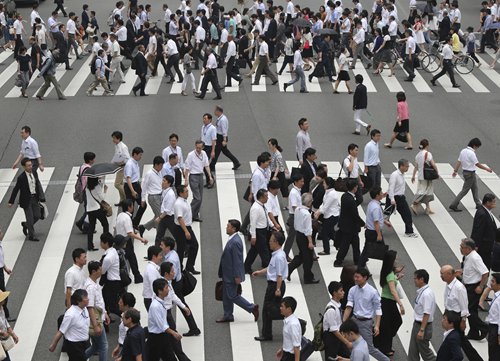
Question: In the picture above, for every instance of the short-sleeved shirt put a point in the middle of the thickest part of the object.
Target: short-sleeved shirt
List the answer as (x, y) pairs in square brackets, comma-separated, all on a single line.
[(134, 344), (75, 324), (403, 112), (74, 278), (468, 159), (24, 61), (422, 157), (374, 213), (29, 148), (386, 291)]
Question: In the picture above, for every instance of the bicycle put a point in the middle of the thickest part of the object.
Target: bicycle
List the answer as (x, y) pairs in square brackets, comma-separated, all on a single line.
[(431, 62)]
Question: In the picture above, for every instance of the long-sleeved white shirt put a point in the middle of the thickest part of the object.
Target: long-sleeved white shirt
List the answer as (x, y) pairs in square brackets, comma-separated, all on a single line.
[(151, 185), (331, 204)]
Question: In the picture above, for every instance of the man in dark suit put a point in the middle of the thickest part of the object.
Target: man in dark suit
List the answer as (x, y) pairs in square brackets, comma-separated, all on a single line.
[(308, 168), (450, 348), (484, 228), (62, 45), (132, 31), (360, 103), (271, 33), (232, 273), (141, 69), (444, 27), (350, 224), (31, 193)]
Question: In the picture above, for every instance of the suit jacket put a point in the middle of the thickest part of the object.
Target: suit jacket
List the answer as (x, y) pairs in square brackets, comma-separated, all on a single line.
[(60, 43), (23, 187), (131, 31), (85, 19), (349, 219), (231, 260), (141, 64), (444, 28), (272, 30), (450, 349), (484, 229), (308, 174), (360, 99)]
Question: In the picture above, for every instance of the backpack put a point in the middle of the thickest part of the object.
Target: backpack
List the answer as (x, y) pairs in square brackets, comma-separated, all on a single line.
[(317, 340), (134, 63), (79, 192), (92, 65)]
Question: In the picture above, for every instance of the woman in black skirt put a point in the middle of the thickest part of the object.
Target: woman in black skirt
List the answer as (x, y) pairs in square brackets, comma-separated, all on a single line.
[(343, 70), (384, 53)]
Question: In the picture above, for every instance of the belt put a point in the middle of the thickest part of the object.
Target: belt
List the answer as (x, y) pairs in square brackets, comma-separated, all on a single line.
[(272, 282), (159, 194), (377, 165), (362, 318), (420, 322), (469, 171)]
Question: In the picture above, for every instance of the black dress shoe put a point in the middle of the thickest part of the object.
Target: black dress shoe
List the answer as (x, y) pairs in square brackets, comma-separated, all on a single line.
[(217, 98), (433, 82), (144, 95), (33, 239), (275, 82), (310, 282), (356, 133), (195, 332), (117, 204), (262, 338), (198, 219), (236, 166), (337, 264), (13, 319), (135, 94), (224, 320), (455, 209), (193, 271), (199, 96), (69, 68), (25, 228), (256, 313)]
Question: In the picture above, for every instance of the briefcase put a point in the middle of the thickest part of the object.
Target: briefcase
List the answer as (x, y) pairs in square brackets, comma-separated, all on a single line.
[(241, 63), (246, 195), (188, 282), (306, 349), (367, 183), (219, 289), (375, 249)]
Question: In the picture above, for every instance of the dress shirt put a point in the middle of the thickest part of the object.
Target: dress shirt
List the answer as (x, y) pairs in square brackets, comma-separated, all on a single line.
[(371, 156), (151, 273), (123, 224), (447, 52), (152, 45), (332, 318), (456, 16), (29, 148), (297, 60), (374, 213), (354, 174), (257, 26), (223, 36), (96, 300), (474, 268), (292, 333), (346, 26), (172, 298), (263, 49), (199, 34), (75, 324), (167, 201), (410, 45), (121, 154), (273, 205), (157, 316), (259, 181), (365, 301), (303, 141), (151, 184), (258, 218), (393, 28), (208, 134), (303, 221), (222, 125), (31, 182), (468, 159), (278, 266), (172, 28), (71, 27), (359, 37), (331, 204), (195, 162), (52, 23), (396, 184), (115, 49), (359, 350), (425, 303), (494, 312), (111, 264), (211, 62), (34, 14), (182, 209), (455, 298), (172, 48), (121, 33), (290, 10), (173, 258), (231, 50), (177, 150), (18, 26), (294, 199), (169, 169), (122, 332), (74, 278)]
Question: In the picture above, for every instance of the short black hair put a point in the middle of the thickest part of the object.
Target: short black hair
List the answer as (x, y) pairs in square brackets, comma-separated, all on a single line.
[(375, 191), (153, 251), (165, 268), (158, 160), (107, 238), (261, 193), (374, 132), (235, 224), (488, 197), (453, 317), (133, 314), (137, 150), (289, 302), (334, 286), (273, 184), (128, 299), (169, 179), (279, 237), (88, 156), (126, 203), (117, 134), (159, 284), (78, 296), (351, 146), (474, 142), (363, 271), (349, 326), (422, 274), (77, 252), (168, 242), (93, 266)]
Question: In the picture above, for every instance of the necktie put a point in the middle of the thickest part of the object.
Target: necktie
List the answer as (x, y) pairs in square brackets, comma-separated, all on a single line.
[(462, 263)]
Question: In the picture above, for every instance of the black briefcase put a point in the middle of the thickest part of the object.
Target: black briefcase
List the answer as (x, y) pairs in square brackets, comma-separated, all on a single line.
[(241, 63), (375, 249), (188, 282)]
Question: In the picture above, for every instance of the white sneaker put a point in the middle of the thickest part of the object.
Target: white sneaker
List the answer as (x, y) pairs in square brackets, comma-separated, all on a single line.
[(411, 235)]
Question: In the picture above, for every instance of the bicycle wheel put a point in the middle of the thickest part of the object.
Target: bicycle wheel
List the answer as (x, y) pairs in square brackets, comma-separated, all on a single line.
[(430, 63), (464, 64)]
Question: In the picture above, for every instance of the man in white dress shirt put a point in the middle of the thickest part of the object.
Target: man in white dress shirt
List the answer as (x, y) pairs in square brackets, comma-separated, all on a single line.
[(132, 180), (174, 148), (298, 69), (494, 318), (359, 44), (120, 157), (264, 61), (294, 201), (110, 274), (71, 29), (396, 196), (152, 190), (330, 210), (209, 138), (222, 127), (302, 140), (74, 278), (209, 73), (335, 343), (29, 149), (372, 159), (292, 330), (173, 58), (166, 218), (230, 62), (196, 165)]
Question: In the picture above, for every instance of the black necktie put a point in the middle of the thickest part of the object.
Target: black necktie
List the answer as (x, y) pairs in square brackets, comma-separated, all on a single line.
[(462, 263)]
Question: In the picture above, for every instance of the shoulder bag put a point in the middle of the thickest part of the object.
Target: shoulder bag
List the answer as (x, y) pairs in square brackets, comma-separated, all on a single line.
[(429, 171), (98, 315), (188, 282), (375, 249), (105, 206), (341, 183)]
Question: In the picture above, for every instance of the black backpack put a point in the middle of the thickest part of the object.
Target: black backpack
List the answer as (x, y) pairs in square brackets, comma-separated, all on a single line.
[(92, 65)]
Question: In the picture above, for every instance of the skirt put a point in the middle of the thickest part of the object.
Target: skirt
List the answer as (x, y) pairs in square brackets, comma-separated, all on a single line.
[(307, 53), (386, 56), (425, 192), (343, 75), (403, 128)]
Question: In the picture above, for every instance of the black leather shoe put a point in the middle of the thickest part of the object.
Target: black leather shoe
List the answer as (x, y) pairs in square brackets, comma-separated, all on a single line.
[(310, 282), (433, 82), (135, 94), (193, 271), (275, 82), (337, 264), (236, 166), (196, 332), (25, 228), (455, 209), (33, 239), (224, 320), (262, 338), (198, 219), (217, 98)]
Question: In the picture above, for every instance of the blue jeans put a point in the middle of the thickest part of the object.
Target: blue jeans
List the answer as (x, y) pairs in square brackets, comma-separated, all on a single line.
[(230, 297), (99, 344)]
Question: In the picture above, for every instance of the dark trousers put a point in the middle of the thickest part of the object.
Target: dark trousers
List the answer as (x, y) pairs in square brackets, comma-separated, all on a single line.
[(264, 68), (197, 54), (328, 232), (476, 325), (271, 308), (140, 211), (160, 347), (110, 293), (60, 6), (468, 349), (291, 233), (17, 46), (305, 257), (72, 43), (390, 323), (230, 73), (84, 215), (484, 249), (125, 50), (493, 346), (141, 86), (225, 150), (165, 223), (404, 210), (210, 77), (182, 243), (370, 236), (189, 319), (2, 288), (488, 38), (176, 345), (131, 257), (287, 356), (159, 59), (375, 174), (32, 213), (288, 60), (173, 60), (93, 217), (333, 346), (260, 248), (409, 66), (447, 68), (348, 239), (208, 150), (147, 303), (76, 350)]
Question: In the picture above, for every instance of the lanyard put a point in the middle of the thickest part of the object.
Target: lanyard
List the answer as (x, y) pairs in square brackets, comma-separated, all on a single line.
[(420, 295)]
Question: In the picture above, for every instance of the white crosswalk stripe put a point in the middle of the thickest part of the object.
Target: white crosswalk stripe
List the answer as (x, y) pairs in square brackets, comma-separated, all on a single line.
[(44, 279)]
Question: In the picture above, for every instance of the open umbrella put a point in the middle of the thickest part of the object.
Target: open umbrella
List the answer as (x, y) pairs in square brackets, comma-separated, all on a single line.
[(327, 31), (302, 23), (101, 169)]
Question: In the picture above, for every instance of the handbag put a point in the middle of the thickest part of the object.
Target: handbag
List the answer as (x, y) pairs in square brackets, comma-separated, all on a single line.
[(367, 183), (246, 195), (3, 355), (429, 171), (44, 211), (105, 206), (8, 344), (219, 289), (306, 348), (12, 31), (98, 316), (241, 63), (340, 184), (19, 81), (188, 282), (375, 249), (401, 136)]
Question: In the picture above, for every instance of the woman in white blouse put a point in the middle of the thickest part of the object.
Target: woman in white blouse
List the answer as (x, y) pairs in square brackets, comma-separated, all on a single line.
[(425, 190), (95, 195)]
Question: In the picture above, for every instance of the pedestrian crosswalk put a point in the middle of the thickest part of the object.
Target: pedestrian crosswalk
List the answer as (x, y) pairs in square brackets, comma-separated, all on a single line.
[(76, 82), (438, 244)]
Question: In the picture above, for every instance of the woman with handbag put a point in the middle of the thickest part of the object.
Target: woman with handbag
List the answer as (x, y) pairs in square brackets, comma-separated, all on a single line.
[(427, 171), (402, 126), (95, 197), (279, 170), (8, 337)]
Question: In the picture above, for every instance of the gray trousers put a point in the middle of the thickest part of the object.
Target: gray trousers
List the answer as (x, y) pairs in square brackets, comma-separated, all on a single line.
[(32, 213), (470, 183), (154, 201), (420, 348), (357, 52), (375, 174), (50, 79), (264, 68), (196, 185), (291, 234), (366, 331), (299, 75)]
